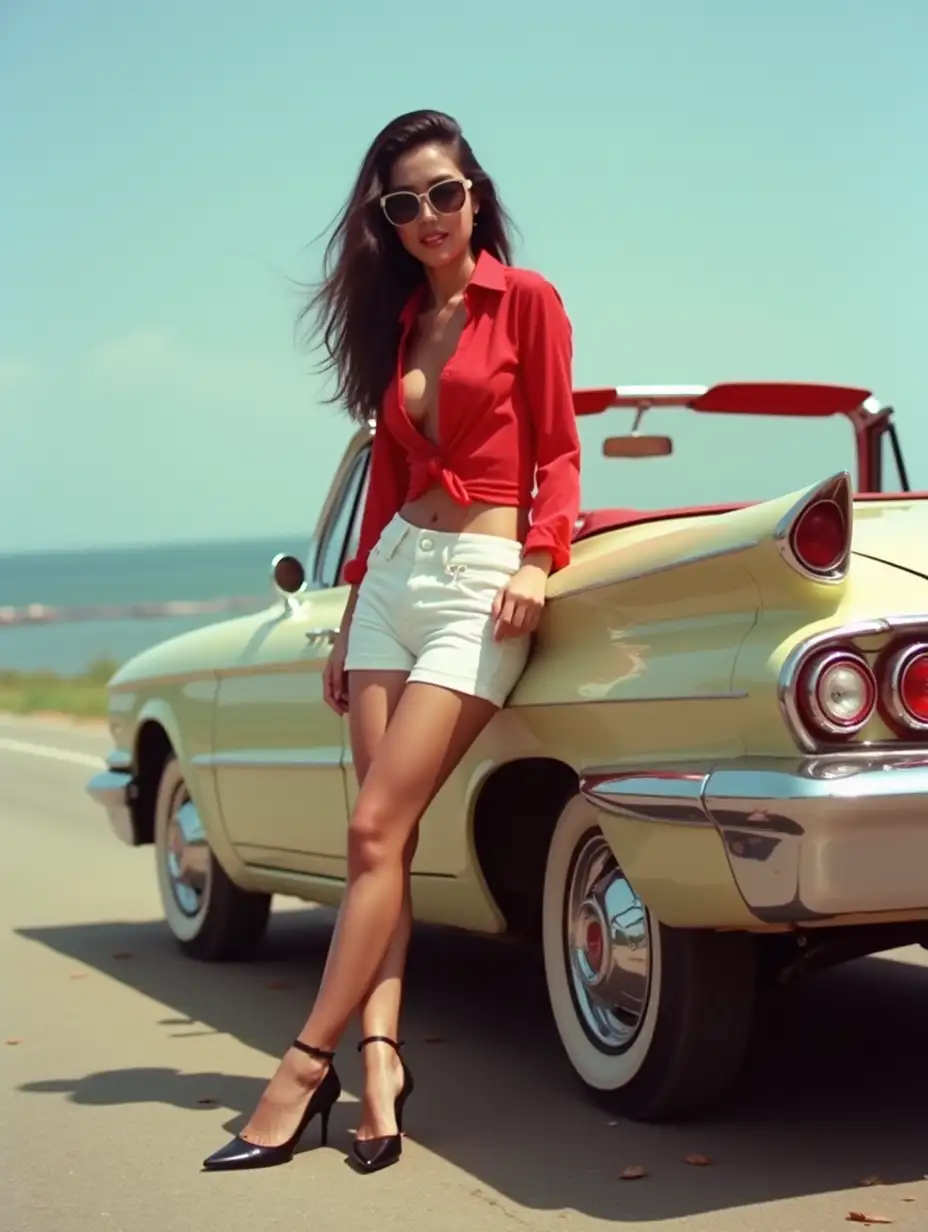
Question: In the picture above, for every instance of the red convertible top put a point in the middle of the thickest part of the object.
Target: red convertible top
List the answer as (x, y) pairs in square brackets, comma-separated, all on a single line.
[(732, 398)]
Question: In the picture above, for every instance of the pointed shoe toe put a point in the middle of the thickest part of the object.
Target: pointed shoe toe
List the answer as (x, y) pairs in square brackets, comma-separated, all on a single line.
[(239, 1154), (376, 1153)]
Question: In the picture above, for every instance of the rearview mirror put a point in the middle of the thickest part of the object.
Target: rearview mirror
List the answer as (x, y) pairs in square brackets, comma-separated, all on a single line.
[(637, 446), (288, 574)]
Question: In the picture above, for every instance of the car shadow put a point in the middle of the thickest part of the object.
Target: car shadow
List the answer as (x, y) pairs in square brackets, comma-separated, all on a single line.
[(834, 1090)]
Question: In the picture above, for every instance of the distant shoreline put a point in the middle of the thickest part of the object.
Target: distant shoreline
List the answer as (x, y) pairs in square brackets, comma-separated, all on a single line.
[(132, 547), (80, 697), (41, 613)]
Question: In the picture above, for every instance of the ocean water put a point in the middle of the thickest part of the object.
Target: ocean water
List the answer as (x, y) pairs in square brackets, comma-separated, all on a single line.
[(160, 573)]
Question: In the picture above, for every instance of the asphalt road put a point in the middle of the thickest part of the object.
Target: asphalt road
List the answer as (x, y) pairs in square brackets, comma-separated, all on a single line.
[(125, 1064)]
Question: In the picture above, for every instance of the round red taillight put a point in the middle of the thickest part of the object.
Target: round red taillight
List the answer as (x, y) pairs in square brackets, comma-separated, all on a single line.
[(913, 687), (819, 537), (909, 686), (839, 692)]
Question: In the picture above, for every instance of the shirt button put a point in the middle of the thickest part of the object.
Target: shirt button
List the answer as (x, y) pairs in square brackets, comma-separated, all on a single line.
[(426, 544)]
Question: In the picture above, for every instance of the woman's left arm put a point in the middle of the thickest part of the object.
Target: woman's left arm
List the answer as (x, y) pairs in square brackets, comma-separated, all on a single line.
[(546, 354)]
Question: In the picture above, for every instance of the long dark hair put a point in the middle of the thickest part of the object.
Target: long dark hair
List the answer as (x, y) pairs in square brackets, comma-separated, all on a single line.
[(368, 275)]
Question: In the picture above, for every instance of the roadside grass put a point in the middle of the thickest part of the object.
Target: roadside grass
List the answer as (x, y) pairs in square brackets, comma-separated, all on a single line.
[(82, 695)]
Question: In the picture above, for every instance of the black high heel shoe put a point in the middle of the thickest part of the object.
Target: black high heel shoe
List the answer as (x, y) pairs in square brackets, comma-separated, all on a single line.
[(239, 1153), (376, 1153)]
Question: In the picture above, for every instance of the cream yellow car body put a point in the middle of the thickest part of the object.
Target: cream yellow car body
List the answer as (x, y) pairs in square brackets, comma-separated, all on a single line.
[(654, 693)]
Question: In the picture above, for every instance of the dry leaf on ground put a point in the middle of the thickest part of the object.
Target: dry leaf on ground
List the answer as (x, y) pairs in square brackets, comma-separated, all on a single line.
[(634, 1172), (11, 1042), (863, 1217), (697, 1161)]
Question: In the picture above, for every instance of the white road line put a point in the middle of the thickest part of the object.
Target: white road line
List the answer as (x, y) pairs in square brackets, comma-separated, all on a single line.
[(44, 750)]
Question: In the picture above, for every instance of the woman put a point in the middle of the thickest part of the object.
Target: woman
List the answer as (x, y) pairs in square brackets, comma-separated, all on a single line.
[(465, 362)]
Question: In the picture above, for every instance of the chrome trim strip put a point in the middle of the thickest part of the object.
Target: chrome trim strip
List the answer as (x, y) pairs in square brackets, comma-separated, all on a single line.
[(735, 695), (907, 622), (296, 873), (670, 796), (325, 757), (837, 489), (892, 689)]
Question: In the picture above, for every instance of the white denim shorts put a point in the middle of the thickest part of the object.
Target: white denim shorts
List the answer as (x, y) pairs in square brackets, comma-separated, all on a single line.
[(425, 607)]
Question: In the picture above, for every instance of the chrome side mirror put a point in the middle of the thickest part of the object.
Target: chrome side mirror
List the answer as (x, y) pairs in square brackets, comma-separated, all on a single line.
[(288, 576)]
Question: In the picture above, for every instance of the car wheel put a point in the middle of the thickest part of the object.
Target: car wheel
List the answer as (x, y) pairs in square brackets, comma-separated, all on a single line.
[(654, 1020), (210, 917)]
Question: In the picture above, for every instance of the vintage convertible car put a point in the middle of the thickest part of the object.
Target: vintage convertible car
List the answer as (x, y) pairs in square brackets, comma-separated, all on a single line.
[(711, 774)]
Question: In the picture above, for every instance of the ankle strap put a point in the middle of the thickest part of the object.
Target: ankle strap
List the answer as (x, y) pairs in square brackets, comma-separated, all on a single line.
[(380, 1039), (319, 1053)]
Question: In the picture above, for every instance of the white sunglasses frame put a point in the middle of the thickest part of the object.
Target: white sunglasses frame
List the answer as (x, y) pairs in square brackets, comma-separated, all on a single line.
[(420, 197)]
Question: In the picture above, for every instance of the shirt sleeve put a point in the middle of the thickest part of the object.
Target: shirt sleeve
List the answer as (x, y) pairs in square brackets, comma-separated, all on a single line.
[(386, 491), (546, 353)]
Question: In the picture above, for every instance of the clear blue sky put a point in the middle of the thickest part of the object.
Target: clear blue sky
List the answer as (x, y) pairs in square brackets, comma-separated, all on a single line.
[(723, 189)]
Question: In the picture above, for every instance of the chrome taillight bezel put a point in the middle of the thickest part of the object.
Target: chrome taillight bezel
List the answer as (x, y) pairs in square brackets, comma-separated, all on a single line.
[(809, 681), (899, 637)]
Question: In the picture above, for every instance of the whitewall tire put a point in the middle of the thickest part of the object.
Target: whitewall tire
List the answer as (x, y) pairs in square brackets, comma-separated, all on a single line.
[(655, 1021), (210, 917)]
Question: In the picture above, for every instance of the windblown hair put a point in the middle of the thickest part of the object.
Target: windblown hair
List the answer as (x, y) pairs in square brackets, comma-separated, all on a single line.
[(367, 273)]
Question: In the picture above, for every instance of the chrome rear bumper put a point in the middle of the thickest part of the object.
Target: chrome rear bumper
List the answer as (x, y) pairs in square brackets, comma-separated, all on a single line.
[(806, 838), (113, 788)]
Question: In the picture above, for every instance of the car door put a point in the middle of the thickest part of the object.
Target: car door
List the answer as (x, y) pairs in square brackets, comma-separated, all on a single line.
[(278, 750)]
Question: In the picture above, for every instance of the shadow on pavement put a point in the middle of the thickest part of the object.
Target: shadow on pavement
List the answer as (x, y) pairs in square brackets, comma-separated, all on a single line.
[(835, 1089)]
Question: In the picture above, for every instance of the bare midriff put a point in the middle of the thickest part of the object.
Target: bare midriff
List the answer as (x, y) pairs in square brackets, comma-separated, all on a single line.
[(437, 510)]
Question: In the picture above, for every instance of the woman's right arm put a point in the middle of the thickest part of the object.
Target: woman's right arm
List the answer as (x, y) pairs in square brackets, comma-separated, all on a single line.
[(389, 482), (389, 477)]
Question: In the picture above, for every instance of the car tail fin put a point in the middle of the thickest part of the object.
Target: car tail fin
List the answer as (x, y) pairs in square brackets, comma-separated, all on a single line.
[(814, 536), (786, 543)]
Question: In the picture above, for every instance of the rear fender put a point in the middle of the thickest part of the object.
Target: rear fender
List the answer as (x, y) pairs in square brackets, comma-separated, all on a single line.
[(667, 846)]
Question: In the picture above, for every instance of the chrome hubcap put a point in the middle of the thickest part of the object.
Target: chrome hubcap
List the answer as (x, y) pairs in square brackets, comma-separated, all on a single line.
[(608, 947), (186, 855)]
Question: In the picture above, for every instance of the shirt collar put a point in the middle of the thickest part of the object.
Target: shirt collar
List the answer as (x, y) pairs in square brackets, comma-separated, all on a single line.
[(488, 274)]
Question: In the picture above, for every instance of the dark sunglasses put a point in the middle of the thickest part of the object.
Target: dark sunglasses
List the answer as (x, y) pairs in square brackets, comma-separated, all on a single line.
[(403, 207)]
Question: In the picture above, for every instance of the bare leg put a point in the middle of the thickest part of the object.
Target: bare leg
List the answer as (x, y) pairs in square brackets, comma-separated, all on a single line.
[(374, 698), (380, 1015), (428, 734)]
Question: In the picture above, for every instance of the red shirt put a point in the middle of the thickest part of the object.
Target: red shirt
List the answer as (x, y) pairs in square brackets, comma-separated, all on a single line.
[(506, 420)]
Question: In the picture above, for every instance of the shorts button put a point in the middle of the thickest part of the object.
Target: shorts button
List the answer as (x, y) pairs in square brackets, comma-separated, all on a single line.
[(426, 544)]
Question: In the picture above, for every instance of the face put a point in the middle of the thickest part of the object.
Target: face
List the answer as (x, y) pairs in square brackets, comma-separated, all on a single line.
[(434, 238)]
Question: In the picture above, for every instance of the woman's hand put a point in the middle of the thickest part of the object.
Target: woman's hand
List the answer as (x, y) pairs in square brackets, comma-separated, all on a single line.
[(518, 605), (335, 678)]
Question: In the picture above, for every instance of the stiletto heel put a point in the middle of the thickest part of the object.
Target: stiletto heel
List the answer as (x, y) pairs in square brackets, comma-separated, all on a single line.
[(239, 1153), (375, 1153)]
